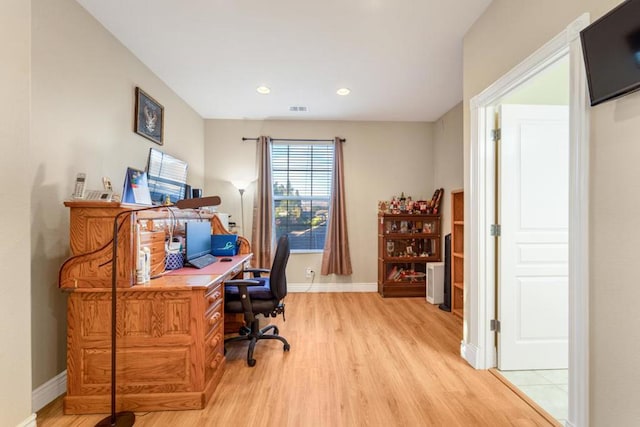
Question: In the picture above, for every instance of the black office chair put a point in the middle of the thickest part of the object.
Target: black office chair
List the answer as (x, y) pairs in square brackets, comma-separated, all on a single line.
[(259, 295)]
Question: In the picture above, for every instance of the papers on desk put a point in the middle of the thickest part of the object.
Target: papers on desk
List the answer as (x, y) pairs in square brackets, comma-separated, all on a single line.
[(136, 188)]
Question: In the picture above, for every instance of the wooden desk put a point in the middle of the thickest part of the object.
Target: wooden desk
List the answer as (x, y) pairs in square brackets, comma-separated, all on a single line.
[(170, 348), (169, 332)]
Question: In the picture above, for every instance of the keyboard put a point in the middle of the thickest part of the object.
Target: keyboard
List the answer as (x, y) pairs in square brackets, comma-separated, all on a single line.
[(203, 261)]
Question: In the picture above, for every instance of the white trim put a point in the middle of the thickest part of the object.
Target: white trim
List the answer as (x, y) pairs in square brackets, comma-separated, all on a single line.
[(332, 287), (479, 197), (49, 391), (477, 304), (578, 232), (470, 353), (29, 422)]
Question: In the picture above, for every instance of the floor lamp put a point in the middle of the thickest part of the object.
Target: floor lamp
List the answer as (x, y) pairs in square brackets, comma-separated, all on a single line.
[(127, 418), (241, 186), (241, 190)]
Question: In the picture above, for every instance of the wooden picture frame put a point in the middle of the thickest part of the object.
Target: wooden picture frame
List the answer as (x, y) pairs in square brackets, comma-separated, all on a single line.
[(149, 117)]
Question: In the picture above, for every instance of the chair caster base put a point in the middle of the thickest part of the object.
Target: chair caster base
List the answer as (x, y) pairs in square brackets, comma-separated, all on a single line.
[(251, 362), (287, 347)]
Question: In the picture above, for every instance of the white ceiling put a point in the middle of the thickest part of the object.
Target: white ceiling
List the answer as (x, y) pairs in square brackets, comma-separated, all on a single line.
[(402, 59)]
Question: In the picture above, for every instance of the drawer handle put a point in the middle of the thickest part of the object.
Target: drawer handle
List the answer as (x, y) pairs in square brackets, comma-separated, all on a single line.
[(215, 297), (215, 340), (215, 362), (214, 319)]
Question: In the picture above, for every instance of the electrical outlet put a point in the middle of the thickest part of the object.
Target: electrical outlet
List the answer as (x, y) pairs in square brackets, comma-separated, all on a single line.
[(308, 273)]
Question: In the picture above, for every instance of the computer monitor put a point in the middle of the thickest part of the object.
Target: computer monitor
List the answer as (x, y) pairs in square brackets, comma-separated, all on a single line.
[(197, 239), (166, 176)]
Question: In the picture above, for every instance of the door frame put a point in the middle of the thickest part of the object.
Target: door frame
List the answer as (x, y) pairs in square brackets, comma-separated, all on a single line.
[(479, 346)]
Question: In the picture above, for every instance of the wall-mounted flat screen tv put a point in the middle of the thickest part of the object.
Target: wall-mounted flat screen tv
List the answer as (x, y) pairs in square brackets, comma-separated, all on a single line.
[(611, 48), (166, 176)]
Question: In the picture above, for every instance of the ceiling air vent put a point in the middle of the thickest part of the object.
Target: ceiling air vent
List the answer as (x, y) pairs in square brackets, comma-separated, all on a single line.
[(299, 108)]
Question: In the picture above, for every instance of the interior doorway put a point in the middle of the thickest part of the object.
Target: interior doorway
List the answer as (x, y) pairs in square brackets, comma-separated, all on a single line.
[(532, 208), (480, 344)]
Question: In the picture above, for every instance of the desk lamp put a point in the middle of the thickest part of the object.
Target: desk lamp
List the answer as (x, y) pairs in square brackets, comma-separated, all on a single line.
[(127, 418)]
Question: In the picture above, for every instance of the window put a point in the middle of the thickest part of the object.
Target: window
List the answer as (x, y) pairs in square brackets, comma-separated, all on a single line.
[(301, 176)]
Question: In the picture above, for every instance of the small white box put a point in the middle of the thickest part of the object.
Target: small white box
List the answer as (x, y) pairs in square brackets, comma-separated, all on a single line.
[(435, 282), (224, 219)]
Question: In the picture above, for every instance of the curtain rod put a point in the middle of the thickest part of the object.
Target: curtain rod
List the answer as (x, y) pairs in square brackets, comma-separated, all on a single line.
[(301, 140)]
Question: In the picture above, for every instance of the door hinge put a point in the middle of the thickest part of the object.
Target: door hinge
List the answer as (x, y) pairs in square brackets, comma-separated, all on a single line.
[(494, 325), (496, 134), (496, 230)]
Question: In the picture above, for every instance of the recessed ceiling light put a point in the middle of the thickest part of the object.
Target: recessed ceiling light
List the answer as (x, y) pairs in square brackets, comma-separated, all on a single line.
[(263, 90), (343, 91)]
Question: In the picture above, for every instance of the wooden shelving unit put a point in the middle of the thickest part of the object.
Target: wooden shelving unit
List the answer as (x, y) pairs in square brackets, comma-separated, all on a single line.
[(406, 243), (457, 252)]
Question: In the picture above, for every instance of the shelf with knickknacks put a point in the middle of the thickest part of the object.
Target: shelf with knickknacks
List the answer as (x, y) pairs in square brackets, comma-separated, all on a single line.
[(406, 205), (409, 237)]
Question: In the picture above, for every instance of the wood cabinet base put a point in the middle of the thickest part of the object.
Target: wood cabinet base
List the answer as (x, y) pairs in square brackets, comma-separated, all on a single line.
[(403, 290), (144, 402)]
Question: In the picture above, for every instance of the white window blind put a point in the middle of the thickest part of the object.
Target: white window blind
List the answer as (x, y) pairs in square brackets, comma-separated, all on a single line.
[(301, 176)]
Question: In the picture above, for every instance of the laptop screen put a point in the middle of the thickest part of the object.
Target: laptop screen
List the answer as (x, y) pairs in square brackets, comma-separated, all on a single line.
[(197, 239)]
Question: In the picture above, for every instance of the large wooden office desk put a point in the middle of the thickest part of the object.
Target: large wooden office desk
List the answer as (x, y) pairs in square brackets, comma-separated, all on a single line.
[(169, 331)]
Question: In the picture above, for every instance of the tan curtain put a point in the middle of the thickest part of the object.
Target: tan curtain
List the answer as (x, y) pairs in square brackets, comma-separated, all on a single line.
[(336, 258), (262, 230)]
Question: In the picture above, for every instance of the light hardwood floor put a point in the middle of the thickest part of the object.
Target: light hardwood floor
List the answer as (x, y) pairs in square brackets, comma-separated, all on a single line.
[(356, 359)]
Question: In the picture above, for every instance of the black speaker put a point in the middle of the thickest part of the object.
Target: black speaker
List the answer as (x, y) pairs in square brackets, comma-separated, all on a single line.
[(446, 305), (187, 192)]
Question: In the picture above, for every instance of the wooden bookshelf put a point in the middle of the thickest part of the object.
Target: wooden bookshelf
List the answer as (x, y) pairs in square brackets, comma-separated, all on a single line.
[(457, 252), (406, 243)]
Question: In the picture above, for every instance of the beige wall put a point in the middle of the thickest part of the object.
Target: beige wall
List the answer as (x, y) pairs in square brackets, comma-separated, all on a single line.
[(448, 172), (82, 120), (15, 307), (382, 159), (507, 33)]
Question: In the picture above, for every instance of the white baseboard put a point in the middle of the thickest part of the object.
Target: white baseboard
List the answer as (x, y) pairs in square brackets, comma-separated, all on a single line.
[(49, 391), (470, 353), (568, 423), (332, 287), (29, 422)]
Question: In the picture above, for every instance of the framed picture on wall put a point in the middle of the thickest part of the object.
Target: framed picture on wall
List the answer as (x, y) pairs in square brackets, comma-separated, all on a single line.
[(149, 117)]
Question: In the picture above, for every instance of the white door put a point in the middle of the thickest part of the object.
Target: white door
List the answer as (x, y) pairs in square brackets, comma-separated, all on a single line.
[(533, 213)]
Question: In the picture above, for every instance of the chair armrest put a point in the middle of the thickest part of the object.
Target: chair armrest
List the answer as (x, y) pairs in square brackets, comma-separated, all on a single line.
[(256, 271), (245, 298), (242, 283)]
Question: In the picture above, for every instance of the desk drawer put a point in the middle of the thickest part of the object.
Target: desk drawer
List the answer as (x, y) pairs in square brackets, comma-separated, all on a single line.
[(214, 295), (214, 350), (214, 316), (235, 272), (154, 240)]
